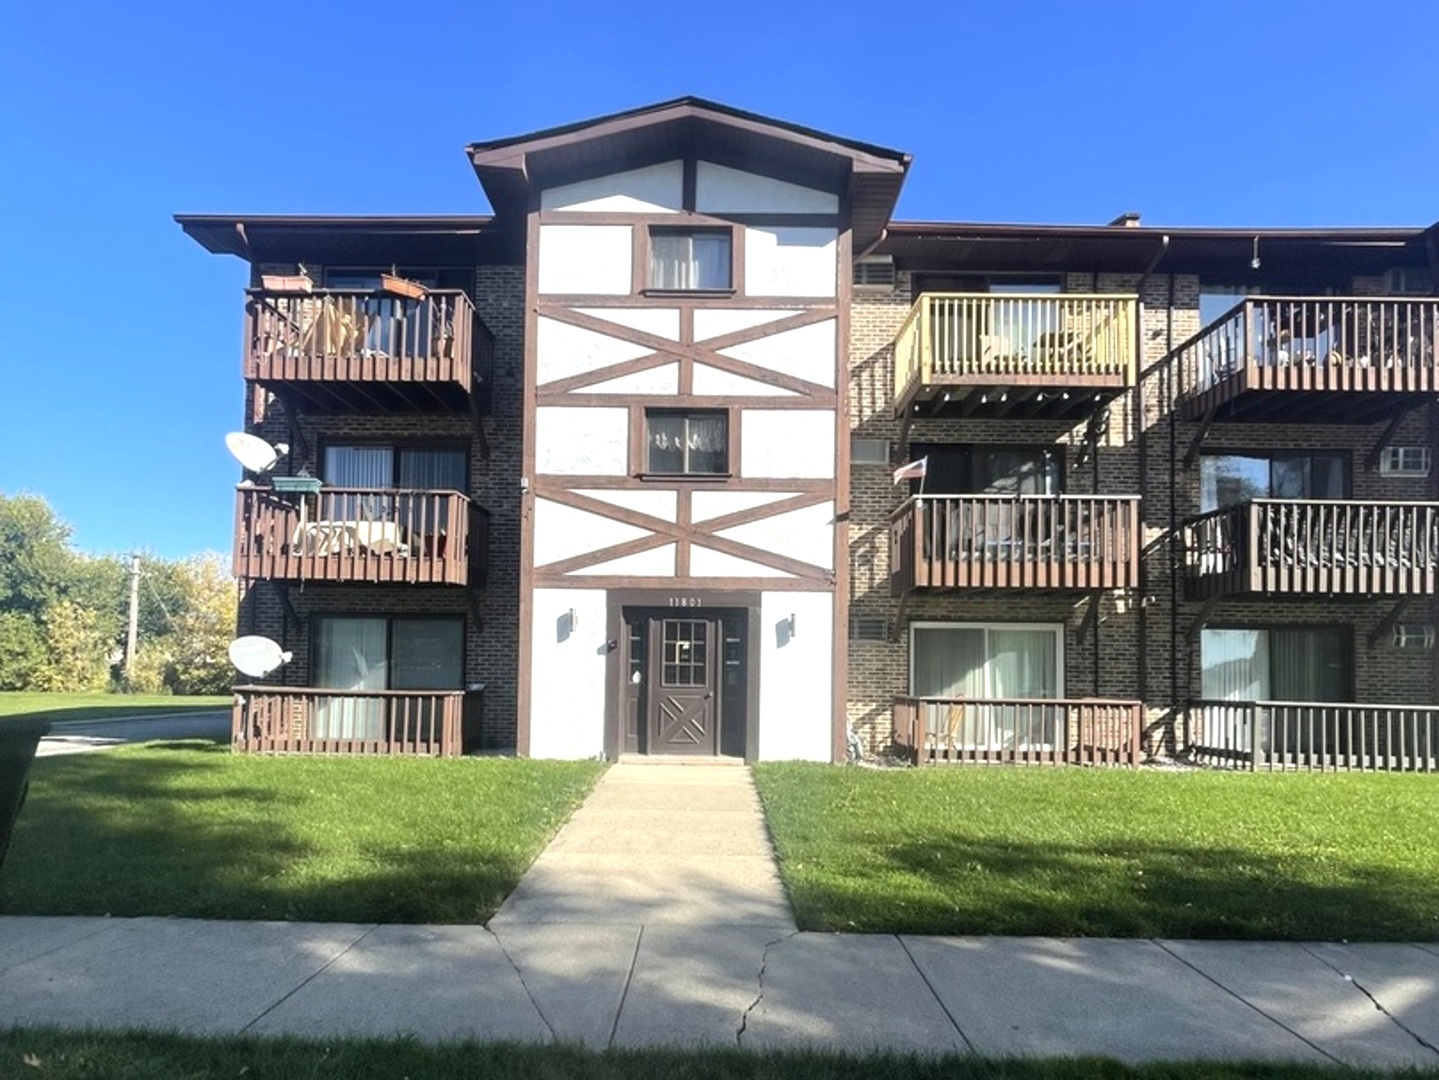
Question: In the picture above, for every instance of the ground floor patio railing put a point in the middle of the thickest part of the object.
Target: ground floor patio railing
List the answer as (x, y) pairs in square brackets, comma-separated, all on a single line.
[(1314, 735), (310, 720), (1078, 731)]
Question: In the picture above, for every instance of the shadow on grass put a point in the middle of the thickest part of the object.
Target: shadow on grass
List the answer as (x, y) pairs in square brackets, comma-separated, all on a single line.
[(950, 885), (185, 828)]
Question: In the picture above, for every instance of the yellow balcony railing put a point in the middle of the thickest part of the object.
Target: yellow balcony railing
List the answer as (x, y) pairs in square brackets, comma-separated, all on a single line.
[(992, 339)]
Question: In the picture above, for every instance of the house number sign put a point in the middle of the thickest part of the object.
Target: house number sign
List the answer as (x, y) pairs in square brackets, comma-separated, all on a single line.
[(684, 601)]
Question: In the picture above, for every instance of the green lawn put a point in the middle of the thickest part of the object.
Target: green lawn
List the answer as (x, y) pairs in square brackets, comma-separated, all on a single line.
[(42, 1053), (1107, 852), (99, 706), (188, 828)]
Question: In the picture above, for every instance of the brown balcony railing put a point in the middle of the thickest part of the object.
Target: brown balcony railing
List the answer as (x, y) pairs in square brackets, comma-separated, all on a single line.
[(338, 348), (1070, 731), (1318, 345), (281, 719), (358, 534), (1297, 546), (995, 340), (1008, 542), (1315, 735)]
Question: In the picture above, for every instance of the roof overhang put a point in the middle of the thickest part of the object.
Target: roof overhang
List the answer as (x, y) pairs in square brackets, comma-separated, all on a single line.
[(353, 240), (1288, 255), (511, 169)]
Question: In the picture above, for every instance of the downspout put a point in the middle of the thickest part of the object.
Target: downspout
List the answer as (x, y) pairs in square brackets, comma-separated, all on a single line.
[(881, 238), (1142, 435), (1172, 404)]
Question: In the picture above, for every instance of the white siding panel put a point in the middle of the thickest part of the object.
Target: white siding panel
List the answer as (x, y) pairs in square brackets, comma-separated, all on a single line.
[(712, 504), (657, 562), (585, 259), (655, 189), (707, 562), (567, 678), (806, 534), (796, 676), (787, 443), (715, 322), (562, 350), (722, 190), (662, 322), (562, 532), (806, 353), (658, 380), (579, 441), (657, 504), (710, 380), (787, 261)]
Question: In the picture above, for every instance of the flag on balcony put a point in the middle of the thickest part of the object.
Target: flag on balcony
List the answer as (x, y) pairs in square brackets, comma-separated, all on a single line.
[(915, 470)]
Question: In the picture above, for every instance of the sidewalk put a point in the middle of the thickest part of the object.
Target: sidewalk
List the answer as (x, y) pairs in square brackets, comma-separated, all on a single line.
[(656, 917)]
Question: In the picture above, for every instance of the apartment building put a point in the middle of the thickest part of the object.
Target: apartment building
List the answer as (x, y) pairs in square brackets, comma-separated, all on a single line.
[(621, 469)]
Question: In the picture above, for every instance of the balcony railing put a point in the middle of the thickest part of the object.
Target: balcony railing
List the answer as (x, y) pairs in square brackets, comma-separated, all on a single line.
[(1070, 731), (340, 348), (1314, 735), (1319, 346), (358, 534), (1296, 546), (1020, 344), (1008, 542), (280, 719)]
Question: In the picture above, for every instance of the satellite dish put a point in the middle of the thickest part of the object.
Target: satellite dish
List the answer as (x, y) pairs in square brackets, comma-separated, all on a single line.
[(257, 656), (254, 453)]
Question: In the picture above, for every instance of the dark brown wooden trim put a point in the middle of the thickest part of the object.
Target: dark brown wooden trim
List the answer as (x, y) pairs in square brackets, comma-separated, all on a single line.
[(839, 655), (684, 515), (569, 383), (525, 612), (687, 364), (569, 482), (546, 580), (691, 219), (689, 183), (695, 299), (605, 554)]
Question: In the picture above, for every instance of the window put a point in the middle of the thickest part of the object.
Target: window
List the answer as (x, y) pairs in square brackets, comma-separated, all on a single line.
[(374, 653), (379, 468), (874, 273), (690, 260), (991, 670), (687, 443), (988, 470), (1228, 479), (869, 452), (1280, 664)]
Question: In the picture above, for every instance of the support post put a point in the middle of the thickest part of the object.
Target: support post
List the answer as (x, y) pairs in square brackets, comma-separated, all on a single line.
[(132, 632)]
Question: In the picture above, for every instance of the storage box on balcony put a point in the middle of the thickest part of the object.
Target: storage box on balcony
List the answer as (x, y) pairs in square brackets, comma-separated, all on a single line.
[(296, 485)]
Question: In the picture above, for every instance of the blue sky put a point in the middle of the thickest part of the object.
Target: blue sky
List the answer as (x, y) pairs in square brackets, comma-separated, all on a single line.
[(120, 345)]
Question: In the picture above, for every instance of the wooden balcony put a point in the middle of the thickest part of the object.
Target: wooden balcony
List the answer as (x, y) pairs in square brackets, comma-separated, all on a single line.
[(339, 351), (1297, 359), (1314, 735), (1013, 731), (1273, 546), (359, 534), (1059, 542), (1022, 355), (307, 720)]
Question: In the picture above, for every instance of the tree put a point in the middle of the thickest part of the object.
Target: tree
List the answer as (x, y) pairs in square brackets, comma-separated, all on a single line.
[(22, 650), (77, 650)]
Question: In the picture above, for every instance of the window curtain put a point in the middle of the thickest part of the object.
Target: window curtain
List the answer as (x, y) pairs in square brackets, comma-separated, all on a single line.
[(358, 467), (1309, 665), (689, 261), (1234, 665), (426, 654), (351, 655), (688, 444), (428, 470), (1023, 664), (974, 663)]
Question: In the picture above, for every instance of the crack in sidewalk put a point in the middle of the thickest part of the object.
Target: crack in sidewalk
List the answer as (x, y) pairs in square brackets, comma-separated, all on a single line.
[(934, 993), (1375, 1002), (524, 985), (763, 965)]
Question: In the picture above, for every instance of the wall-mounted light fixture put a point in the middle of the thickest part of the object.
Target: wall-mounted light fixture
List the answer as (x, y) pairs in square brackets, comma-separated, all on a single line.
[(1254, 262), (792, 632), (574, 620)]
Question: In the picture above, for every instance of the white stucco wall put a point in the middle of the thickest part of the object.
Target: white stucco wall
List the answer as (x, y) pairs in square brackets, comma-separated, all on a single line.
[(806, 534), (807, 352), (719, 189), (562, 532), (594, 259), (567, 676), (713, 504), (715, 322), (651, 190), (796, 676), (575, 441), (781, 443), (708, 562), (789, 261)]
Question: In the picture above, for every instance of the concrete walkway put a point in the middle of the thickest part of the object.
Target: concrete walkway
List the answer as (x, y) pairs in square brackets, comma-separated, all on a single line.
[(656, 917)]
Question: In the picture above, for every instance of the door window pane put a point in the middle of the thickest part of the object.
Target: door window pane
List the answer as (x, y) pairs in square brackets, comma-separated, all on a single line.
[(684, 652), (350, 655), (948, 662), (426, 654)]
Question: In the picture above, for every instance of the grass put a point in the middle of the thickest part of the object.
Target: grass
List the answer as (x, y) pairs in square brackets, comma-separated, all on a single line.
[(190, 829), (45, 1053), (15, 703), (1107, 853)]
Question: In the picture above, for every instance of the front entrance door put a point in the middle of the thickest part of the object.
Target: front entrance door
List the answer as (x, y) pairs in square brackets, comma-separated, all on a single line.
[(683, 667)]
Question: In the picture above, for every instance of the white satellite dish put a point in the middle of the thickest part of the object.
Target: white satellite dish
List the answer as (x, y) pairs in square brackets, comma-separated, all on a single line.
[(254, 452), (257, 656)]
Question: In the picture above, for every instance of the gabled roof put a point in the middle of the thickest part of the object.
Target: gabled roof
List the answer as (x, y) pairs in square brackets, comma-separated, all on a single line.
[(510, 168)]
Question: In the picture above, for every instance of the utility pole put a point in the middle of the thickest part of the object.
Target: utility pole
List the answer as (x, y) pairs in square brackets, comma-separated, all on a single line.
[(134, 629)]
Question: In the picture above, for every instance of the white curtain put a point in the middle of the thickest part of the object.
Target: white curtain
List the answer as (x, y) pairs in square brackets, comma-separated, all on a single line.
[(689, 261), (976, 663), (351, 656), (358, 467), (1234, 665)]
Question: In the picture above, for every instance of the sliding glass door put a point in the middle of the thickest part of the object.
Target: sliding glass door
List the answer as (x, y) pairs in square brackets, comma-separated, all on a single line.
[(985, 675), (377, 653)]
